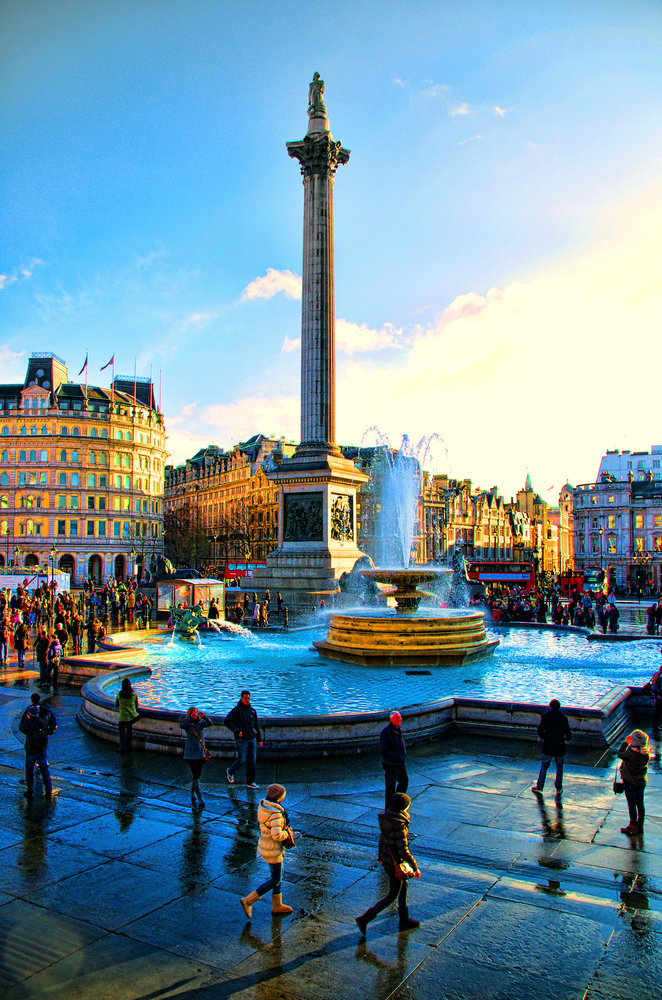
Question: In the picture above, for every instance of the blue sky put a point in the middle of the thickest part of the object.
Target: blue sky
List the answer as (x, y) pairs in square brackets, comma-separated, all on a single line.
[(498, 265)]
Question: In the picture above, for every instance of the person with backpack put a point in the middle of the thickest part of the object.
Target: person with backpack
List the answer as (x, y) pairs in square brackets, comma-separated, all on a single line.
[(37, 724), (53, 657), (21, 637), (41, 649)]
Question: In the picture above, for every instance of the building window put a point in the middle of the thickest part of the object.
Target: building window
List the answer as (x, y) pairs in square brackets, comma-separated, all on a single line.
[(91, 480), (595, 544), (73, 503), (92, 457), (611, 521), (90, 503), (638, 520), (93, 432), (102, 529), (657, 520), (126, 529), (594, 522), (104, 432), (75, 479), (611, 544), (74, 456), (75, 431), (61, 501), (658, 543), (103, 482), (639, 544), (90, 528), (116, 529), (73, 529), (63, 456), (64, 431), (61, 527), (102, 503), (43, 455)]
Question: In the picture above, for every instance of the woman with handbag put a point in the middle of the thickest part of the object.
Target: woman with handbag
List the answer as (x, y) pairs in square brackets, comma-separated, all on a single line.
[(275, 836), (127, 703), (195, 751), (635, 754), (399, 863)]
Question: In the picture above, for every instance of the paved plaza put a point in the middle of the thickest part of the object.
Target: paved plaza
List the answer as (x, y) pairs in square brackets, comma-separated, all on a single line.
[(114, 889)]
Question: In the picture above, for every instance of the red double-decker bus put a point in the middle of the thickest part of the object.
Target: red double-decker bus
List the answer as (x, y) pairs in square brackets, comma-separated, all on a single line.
[(235, 570), (503, 574)]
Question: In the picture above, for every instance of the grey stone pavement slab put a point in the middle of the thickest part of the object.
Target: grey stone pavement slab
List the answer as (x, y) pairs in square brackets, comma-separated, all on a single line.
[(115, 890)]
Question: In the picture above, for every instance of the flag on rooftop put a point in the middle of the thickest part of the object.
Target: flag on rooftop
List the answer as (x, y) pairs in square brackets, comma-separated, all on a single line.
[(85, 365), (111, 362)]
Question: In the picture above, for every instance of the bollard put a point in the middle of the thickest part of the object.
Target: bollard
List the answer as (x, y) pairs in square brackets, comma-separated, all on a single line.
[(286, 617)]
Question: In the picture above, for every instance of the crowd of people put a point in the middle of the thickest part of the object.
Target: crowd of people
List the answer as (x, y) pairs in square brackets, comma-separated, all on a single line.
[(547, 605)]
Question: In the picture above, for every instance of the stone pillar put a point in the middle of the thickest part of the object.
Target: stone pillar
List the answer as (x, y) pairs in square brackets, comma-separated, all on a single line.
[(319, 156)]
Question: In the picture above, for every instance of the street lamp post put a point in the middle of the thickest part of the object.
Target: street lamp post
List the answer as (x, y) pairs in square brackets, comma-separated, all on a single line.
[(132, 553), (53, 554), (601, 533), (17, 555)]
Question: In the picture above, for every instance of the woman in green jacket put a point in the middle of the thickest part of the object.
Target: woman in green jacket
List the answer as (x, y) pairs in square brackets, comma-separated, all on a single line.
[(127, 702)]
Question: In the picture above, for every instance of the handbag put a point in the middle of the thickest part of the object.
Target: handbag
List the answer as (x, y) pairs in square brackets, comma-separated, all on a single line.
[(402, 869), (289, 841), (619, 787), (207, 754)]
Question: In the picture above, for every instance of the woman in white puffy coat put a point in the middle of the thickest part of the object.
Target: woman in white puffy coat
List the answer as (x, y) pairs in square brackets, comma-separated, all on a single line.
[(273, 822)]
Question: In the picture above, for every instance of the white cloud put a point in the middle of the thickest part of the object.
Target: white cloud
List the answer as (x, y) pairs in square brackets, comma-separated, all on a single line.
[(238, 420), (354, 338), (23, 272), (272, 283), (459, 109), (290, 344), (398, 81), (501, 112), (12, 364), (197, 319)]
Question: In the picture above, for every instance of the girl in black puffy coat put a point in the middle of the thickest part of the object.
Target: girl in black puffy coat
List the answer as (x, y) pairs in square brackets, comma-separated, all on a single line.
[(394, 847)]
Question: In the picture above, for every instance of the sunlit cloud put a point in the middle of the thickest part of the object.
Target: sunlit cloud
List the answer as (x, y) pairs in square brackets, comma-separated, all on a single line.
[(21, 273), (290, 344), (500, 112), (12, 364), (459, 109), (354, 338), (273, 283)]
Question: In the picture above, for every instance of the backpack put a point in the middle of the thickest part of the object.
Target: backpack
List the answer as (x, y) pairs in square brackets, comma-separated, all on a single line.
[(37, 732)]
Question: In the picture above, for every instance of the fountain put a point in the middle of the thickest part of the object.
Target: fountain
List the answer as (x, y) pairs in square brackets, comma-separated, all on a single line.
[(407, 637)]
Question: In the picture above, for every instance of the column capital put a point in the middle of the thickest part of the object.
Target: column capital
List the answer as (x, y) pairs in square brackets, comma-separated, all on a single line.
[(318, 155)]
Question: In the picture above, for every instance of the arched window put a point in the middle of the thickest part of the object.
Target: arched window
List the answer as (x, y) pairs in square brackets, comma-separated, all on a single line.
[(4, 527), (64, 432), (128, 436), (104, 432), (44, 430), (33, 430), (23, 430), (74, 456), (63, 456), (33, 454), (5, 431), (4, 502), (93, 432), (4, 479), (75, 431), (93, 458), (5, 456)]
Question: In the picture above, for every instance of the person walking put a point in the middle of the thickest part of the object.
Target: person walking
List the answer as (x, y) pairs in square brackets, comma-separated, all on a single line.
[(5, 633), (41, 650), (126, 700), (656, 695), (37, 724), (635, 754), (54, 655), (242, 723), (553, 730), (394, 753), (394, 850), (195, 751), (274, 833), (21, 637)]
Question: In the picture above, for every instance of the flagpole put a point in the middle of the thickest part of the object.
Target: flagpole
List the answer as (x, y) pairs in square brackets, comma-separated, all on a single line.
[(112, 388), (161, 383), (87, 368), (135, 363)]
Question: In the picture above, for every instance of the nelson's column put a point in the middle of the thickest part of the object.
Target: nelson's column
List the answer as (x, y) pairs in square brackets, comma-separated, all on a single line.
[(317, 486)]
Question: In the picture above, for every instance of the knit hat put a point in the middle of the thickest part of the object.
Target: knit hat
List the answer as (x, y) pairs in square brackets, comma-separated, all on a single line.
[(638, 739), (275, 792), (399, 803)]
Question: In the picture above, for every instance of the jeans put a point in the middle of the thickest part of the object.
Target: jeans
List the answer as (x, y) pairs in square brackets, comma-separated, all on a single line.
[(394, 773), (4, 652), (42, 762), (44, 672), (273, 882), (126, 735), (546, 761), (247, 754), (20, 656), (396, 889), (635, 801)]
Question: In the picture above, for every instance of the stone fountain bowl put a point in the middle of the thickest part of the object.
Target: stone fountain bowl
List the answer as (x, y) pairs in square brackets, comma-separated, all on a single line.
[(405, 582)]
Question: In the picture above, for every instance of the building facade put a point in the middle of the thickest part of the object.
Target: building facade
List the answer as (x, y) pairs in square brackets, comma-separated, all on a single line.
[(618, 521), (81, 474), (221, 507)]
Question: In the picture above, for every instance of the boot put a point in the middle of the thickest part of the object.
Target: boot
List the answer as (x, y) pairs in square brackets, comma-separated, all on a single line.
[(363, 921), (247, 903), (632, 828), (406, 923), (277, 905)]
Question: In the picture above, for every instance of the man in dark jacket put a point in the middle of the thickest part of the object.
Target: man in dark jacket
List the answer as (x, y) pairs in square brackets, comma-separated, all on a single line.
[(554, 730), (37, 723), (393, 751), (41, 650), (242, 722)]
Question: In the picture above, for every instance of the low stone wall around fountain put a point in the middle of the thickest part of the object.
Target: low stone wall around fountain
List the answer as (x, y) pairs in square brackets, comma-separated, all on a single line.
[(158, 729)]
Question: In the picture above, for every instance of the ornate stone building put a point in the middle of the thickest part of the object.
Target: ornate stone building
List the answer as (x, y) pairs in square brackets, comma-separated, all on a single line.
[(618, 520), (81, 473), (221, 507)]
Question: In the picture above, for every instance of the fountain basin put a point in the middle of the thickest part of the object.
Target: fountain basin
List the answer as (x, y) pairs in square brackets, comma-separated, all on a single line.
[(404, 582), (451, 640)]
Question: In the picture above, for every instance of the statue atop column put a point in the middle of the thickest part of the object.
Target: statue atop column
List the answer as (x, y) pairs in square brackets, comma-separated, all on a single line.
[(316, 106)]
